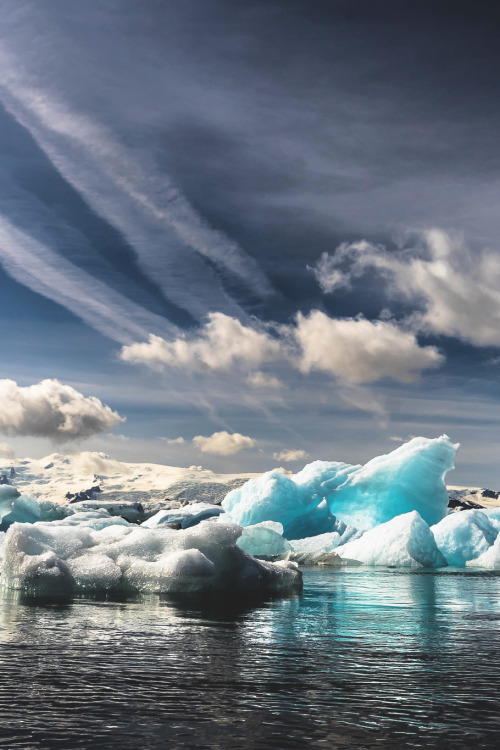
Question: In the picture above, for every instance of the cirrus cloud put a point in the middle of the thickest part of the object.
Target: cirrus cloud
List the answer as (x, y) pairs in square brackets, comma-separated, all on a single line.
[(50, 409)]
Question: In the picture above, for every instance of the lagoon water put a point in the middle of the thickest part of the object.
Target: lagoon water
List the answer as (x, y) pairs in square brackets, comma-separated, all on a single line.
[(363, 658)]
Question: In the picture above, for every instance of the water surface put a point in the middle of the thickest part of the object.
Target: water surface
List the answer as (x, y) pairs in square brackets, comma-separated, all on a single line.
[(361, 659)]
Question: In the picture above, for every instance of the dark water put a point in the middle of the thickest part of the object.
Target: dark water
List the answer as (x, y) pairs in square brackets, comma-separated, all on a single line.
[(361, 659)]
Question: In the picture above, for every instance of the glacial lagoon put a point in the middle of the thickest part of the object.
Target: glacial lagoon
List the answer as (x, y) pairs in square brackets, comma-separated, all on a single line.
[(364, 657)]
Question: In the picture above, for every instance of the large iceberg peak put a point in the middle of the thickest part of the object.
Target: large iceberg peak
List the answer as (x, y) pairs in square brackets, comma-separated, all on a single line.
[(409, 478)]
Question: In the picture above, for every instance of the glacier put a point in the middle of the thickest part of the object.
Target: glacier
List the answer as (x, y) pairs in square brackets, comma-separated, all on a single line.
[(409, 478)]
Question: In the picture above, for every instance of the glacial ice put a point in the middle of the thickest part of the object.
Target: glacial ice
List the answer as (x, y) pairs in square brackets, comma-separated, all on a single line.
[(489, 559), (264, 540), (405, 541), (187, 516), (322, 544), (464, 535), (15, 507), (50, 559), (409, 478)]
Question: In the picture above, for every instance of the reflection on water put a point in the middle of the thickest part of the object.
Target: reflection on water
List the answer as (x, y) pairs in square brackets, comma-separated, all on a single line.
[(361, 659)]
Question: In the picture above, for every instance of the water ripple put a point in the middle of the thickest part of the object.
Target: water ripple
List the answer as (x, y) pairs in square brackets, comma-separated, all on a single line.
[(362, 659)]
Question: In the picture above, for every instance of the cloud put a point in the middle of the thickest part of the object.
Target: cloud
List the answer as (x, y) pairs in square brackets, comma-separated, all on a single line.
[(353, 349), (362, 398), (174, 441), (361, 351), (290, 455), (223, 344), (52, 410), (260, 379), (128, 190), (453, 291), (223, 443), (6, 451), (36, 265)]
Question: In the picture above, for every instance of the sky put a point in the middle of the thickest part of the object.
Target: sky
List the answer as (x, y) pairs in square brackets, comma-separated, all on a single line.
[(242, 235)]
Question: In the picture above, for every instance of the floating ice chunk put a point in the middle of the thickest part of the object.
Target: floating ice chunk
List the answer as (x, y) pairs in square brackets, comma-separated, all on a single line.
[(405, 541), (182, 572), (187, 516), (325, 543), (33, 566), (94, 572), (133, 512), (15, 507), (463, 536), (93, 519), (45, 558), (409, 478), (494, 516), (489, 559), (271, 497), (264, 540), (7, 495)]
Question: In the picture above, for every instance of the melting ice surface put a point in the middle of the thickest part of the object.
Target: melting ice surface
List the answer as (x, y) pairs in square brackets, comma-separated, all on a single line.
[(409, 478), (98, 554), (390, 512)]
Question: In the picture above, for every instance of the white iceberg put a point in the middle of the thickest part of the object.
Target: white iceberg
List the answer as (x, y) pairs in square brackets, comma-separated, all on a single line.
[(264, 540), (489, 559), (47, 559), (403, 542), (464, 536), (187, 516)]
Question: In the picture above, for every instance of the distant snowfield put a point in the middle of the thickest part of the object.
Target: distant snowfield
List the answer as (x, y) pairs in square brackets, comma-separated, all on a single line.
[(53, 477)]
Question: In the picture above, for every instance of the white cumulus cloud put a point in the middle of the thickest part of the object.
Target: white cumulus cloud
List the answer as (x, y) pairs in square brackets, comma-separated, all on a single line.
[(361, 351), (223, 443), (291, 454), (354, 349), (52, 410), (223, 344)]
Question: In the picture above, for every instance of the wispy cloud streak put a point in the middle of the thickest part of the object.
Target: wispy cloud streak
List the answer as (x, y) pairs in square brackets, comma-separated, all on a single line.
[(35, 265), (170, 238)]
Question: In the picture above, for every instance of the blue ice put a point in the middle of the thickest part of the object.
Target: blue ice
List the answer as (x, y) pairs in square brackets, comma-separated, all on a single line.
[(409, 478)]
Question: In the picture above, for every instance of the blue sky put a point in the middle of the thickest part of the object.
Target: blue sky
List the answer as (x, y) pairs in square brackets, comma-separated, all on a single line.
[(277, 221)]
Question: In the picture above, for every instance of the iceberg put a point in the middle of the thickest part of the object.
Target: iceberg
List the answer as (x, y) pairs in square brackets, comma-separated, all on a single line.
[(60, 559), (264, 540), (189, 515), (323, 544), (464, 536), (489, 559), (405, 541), (16, 507), (409, 478)]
